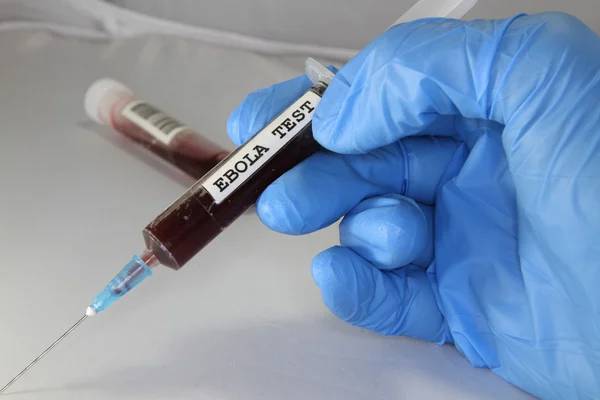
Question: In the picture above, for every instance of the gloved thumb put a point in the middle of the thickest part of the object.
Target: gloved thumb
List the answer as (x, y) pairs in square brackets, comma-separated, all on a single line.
[(512, 70)]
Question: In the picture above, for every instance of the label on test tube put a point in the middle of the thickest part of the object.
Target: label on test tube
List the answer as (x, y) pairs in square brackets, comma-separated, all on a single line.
[(152, 120), (244, 162)]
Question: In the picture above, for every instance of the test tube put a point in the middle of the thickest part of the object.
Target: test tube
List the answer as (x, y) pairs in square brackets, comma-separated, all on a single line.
[(111, 103)]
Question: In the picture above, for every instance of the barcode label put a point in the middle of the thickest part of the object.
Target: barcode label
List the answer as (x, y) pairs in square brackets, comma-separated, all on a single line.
[(152, 120)]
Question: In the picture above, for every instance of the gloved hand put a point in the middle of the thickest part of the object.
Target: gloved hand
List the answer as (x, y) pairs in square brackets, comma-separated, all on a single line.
[(466, 167)]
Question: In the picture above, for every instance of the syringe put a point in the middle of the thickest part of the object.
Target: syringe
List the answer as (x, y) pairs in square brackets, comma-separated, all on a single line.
[(219, 198)]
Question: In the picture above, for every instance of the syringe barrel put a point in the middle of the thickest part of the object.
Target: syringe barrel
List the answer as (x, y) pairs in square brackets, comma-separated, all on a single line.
[(111, 103), (234, 185)]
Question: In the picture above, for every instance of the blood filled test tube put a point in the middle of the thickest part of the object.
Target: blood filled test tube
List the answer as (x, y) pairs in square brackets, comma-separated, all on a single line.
[(111, 103), (234, 185)]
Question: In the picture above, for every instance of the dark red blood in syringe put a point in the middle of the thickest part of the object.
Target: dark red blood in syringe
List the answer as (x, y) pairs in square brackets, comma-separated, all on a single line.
[(195, 219)]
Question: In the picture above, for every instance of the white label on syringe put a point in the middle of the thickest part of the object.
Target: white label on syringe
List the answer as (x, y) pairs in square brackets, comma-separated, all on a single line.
[(242, 164), (152, 120)]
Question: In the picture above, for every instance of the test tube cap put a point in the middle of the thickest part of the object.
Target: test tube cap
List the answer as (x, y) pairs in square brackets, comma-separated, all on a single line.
[(100, 97), (317, 72)]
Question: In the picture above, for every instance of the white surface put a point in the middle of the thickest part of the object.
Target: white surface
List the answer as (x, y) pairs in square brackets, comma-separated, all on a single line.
[(98, 19), (324, 28), (339, 23), (242, 321), (437, 8)]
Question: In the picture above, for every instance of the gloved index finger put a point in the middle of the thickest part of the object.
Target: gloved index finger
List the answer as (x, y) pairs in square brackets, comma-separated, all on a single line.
[(398, 86), (261, 106)]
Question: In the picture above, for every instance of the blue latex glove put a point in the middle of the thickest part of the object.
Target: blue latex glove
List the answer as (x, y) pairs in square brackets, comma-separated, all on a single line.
[(485, 235)]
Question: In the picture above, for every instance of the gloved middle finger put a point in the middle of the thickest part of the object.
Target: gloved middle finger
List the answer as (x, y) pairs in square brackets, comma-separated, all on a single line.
[(326, 186)]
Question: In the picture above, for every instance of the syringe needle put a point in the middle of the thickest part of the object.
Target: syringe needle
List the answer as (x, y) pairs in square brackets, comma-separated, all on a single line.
[(43, 354)]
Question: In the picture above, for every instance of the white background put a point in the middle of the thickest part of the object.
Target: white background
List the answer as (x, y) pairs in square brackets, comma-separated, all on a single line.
[(243, 320), (343, 23)]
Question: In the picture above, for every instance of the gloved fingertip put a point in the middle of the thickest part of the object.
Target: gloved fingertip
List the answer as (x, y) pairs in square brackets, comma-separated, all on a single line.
[(250, 116), (321, 270), (278, 211), (390, 303), (233, 125), (327, 123), (334, 277), (389, 231), (261, 106)]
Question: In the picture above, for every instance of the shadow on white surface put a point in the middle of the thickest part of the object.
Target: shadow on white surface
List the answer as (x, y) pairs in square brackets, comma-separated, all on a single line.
[(138, 152), (293, 360)]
